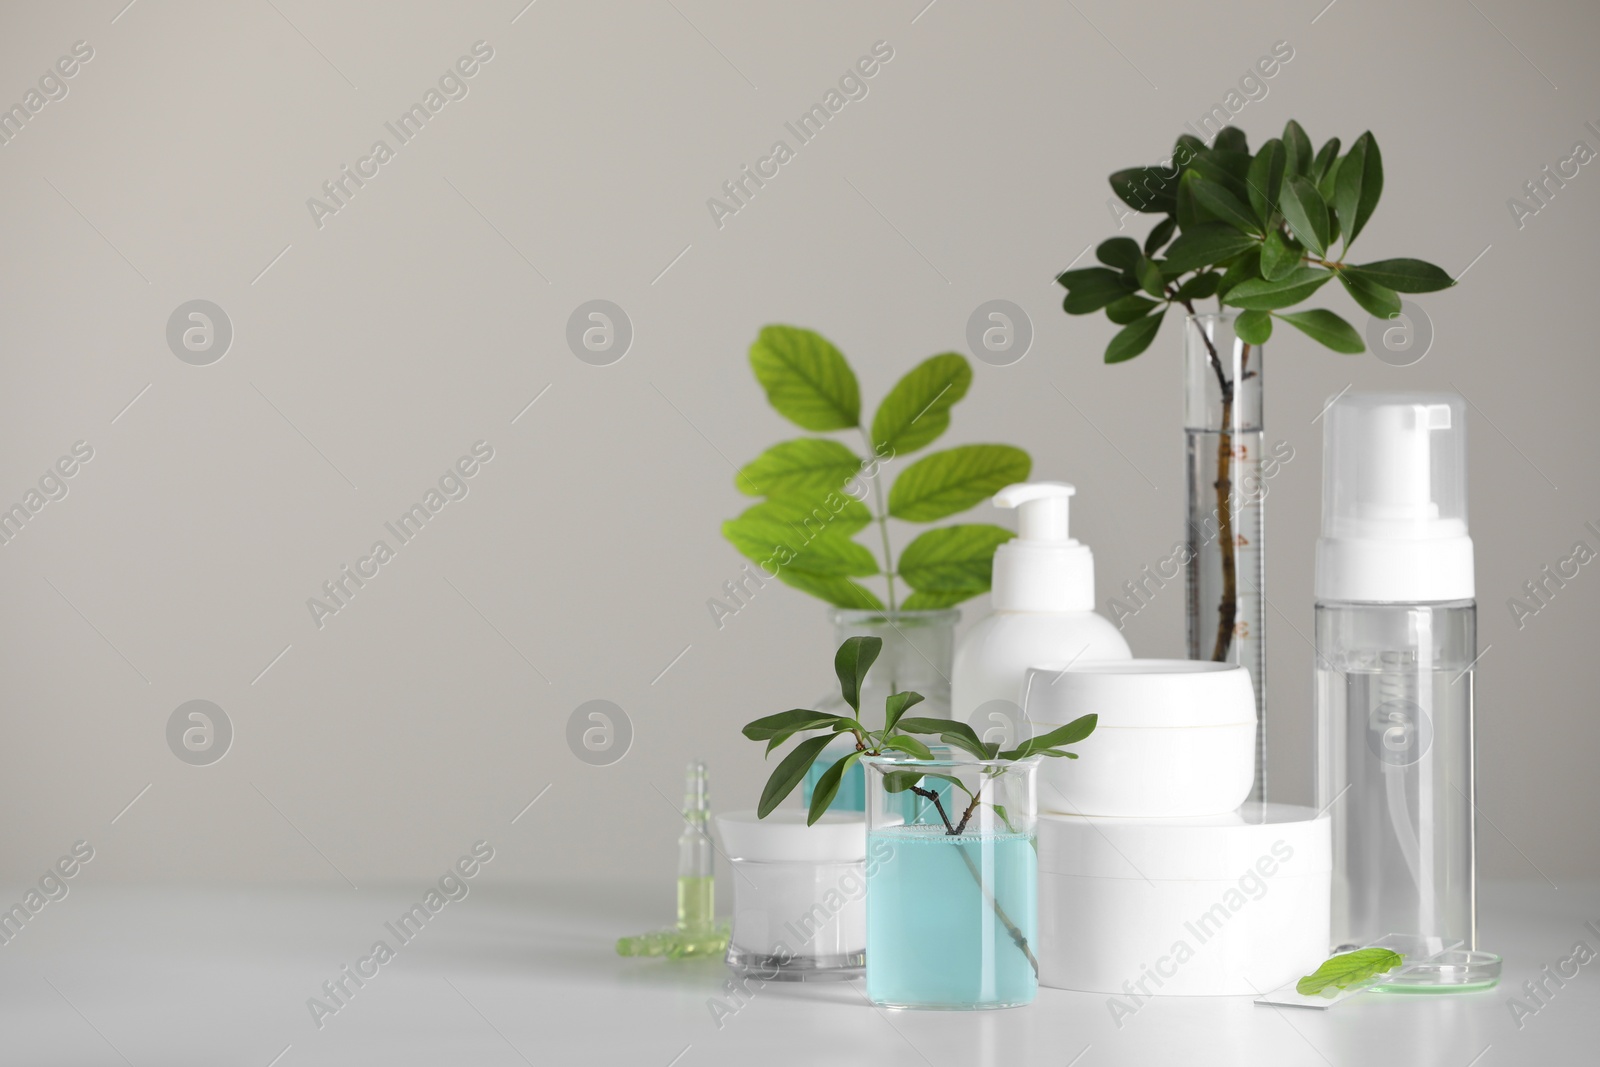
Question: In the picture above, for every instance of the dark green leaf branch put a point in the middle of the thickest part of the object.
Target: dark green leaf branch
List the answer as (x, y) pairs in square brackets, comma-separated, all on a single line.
[(898, 735), (1257, 232), (851, 663)]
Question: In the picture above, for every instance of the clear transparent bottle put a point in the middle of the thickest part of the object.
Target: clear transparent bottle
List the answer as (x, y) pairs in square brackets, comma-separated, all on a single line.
[(918, 648), (1394, 737), (1396, 640)]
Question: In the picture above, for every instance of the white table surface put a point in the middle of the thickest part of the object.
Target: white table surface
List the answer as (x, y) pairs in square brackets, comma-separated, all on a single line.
[(175, 975)]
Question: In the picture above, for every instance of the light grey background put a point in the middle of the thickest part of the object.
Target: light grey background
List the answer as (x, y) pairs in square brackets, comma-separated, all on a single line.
[(369, 354)]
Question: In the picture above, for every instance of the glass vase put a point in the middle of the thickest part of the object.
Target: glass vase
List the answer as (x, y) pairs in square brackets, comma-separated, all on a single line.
[(1225, 554), (918, 650), (952, 882)]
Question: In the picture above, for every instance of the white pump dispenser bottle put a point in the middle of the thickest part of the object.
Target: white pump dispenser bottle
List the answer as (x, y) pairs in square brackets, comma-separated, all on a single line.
[(1043, 599)]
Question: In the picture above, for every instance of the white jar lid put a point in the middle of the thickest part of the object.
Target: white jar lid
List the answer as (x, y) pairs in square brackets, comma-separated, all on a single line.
[(1140, 693), (1199, 848), (837, 837)]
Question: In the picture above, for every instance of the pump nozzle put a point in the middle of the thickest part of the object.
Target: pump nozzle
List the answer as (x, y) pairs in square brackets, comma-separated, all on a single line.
[(1394, 499), (1041, 508), (1044, 568)]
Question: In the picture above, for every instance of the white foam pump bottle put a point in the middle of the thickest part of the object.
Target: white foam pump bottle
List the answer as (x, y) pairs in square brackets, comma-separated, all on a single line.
[(1396, 638), (1043, 600)]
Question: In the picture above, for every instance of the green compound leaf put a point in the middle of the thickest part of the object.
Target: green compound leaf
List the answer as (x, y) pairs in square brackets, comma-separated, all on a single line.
[(944, 483), (935, 599), (917, 409), (777, 545), (840, 592), (1347, 969), (808, 468), (953, 559), (806, 378), (833, 513)]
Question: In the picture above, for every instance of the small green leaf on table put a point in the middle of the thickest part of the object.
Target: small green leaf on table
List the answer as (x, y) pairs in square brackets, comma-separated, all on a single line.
[(1347, 969)]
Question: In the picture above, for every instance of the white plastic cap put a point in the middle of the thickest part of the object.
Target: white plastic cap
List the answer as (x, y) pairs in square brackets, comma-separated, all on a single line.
[(1041, 569), (1139, 694), (1394, 500), (783, 836)]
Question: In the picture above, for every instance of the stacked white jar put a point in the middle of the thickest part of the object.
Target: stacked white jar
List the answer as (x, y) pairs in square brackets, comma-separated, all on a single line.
[(1155, 878)]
